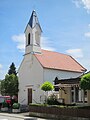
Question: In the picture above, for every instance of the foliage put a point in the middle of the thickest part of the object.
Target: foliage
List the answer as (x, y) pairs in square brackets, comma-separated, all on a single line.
[(52, 100), (9, 86), (2, 87), (57, 106), (12, 69), (83, 107), (62, 106), (32, 104), (85, 82), (16, 106), (47, 86), (4, 104)]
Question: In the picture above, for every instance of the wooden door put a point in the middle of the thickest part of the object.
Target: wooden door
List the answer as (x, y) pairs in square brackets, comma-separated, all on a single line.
[(29, 95)]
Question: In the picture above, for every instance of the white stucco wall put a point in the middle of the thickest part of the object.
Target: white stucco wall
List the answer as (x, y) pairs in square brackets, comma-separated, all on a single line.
[(51, 74), (33, 75), (30, 76)]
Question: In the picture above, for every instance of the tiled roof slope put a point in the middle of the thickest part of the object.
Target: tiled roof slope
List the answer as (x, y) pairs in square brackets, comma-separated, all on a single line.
[(55, 60)]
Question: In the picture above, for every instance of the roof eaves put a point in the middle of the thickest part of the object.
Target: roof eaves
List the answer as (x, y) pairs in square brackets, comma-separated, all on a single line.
[(84, 69), (62, 69)]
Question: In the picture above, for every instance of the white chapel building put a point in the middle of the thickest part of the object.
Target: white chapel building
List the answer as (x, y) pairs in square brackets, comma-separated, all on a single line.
[(40, 65)]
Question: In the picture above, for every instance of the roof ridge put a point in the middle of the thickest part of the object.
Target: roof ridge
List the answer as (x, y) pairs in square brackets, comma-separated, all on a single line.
[(56, 52)]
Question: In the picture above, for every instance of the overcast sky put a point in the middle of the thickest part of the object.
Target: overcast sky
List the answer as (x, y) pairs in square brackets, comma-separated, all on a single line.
[(65, 25)]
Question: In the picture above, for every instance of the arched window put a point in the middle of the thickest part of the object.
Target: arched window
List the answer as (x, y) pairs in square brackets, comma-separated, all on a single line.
[(29, 39), (55, 83)]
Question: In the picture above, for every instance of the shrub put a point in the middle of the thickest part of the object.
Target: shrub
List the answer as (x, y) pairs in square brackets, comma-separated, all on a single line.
[(52, 100), (4, 104), (47, 86), (16, 106), (84, 107), (85, 82), (31, 104)]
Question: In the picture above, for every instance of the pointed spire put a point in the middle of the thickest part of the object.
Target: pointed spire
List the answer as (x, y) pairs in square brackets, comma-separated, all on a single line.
[(34, 20)]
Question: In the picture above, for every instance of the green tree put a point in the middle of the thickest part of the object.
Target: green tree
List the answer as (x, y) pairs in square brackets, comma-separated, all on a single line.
[(46, 86), (2, 88), (85, 82), (12, 69), (9, 86)]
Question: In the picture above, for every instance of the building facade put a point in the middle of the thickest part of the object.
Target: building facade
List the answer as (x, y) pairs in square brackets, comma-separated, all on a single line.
[(40, 65)]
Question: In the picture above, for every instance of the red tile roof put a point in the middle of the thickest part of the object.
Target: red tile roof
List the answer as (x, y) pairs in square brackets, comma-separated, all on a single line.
[(55, 60)]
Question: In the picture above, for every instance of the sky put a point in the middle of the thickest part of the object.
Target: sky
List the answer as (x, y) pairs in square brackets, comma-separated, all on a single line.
[(65, 25)]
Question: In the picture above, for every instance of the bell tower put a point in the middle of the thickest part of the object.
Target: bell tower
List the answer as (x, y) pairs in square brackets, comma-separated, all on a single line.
[(33, 35)]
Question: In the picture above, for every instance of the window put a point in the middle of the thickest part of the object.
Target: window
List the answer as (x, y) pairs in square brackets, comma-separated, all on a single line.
[(29, 39), (77, 94), (85, 95), (56, 82)]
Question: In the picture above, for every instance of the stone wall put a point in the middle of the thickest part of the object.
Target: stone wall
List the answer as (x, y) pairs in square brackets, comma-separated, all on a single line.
[(63, 113)]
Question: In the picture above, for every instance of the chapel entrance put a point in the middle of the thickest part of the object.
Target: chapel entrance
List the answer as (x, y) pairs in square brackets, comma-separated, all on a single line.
[(29, 95)]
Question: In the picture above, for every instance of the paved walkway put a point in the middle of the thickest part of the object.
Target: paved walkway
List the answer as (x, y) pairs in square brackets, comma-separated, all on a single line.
[(23, 116)]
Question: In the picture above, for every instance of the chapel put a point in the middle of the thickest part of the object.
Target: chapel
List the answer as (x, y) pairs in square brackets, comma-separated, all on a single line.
[(40, 65)]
